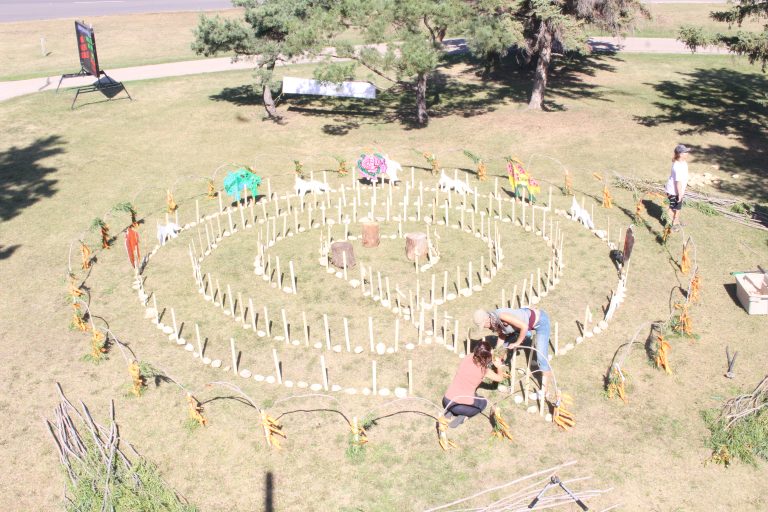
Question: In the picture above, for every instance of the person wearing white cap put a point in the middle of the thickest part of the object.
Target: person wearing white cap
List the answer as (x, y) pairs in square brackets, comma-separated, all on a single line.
[(676, 183), (513, 326)]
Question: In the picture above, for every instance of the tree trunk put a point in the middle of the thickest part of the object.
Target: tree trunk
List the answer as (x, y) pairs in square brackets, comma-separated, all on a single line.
[(421, 99), (416, 245), (371, 234), (338, 249), (542, 68), (269, 103)]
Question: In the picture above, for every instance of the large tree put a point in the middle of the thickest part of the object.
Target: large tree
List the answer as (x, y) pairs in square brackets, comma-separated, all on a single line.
[(270, 31), (402, 41), (549, 25), (752, 44)]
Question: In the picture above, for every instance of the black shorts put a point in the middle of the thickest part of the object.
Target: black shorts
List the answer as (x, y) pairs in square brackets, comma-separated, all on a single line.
[(674, 203)]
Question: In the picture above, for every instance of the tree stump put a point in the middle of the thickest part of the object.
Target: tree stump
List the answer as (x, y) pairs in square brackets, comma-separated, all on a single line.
[(416, 245), (338, 250), (371, 234)]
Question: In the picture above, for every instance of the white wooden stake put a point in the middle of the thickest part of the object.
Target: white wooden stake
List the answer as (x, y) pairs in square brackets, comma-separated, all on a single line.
[(234, 355), (346, 334), (199, 342), (266, 322), (327, 332), (175, 329), (278, 372), (253, 314), (285, 326), (293, 277), (306, 328), (324, 370)]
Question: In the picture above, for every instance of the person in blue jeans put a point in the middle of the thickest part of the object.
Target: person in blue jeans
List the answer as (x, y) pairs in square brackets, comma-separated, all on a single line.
[(513, 326)]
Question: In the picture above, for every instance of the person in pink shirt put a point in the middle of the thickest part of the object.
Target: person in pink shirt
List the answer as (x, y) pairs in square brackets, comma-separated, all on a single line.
[(461, 400)]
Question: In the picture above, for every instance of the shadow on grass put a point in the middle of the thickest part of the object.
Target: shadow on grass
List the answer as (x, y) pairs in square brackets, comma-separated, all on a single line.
[(7, 251), (447, 94), (23, 179), (725, 102)]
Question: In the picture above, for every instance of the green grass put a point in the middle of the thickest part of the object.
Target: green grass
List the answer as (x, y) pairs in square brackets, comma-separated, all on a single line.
[(121, 41), (666, 20), (62, 168)]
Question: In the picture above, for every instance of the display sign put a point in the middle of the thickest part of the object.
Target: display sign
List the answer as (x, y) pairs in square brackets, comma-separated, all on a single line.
[(293, 85), (86, 49)]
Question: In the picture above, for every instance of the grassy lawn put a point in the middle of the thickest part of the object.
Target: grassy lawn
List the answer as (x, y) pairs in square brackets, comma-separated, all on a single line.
[(666, 20), (59, 169), (121, 41)]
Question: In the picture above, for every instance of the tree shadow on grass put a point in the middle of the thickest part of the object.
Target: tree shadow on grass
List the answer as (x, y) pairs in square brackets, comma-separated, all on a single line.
[(23, 179), (565, 82), (725, 102)]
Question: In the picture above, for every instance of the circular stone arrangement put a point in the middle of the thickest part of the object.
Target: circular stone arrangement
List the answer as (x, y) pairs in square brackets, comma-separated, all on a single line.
[(338, 214)]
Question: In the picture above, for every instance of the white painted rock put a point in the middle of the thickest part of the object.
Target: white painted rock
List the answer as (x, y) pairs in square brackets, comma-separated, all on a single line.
[(589, 334), (381, 348), (181, 341), (366, 392), (390, 350), (335, 388), (410, 346), (316, 387), (246, 374), (358, 350), (603, 324), (167, 329), (579, 340), (270, 379), (189, 347), (518, 399), (337, 348), (383, 392), (288, 383), (339, 274), (597, 330), (258, 378), (401, 392), (354, 283), (427, 340), (216, 363), (295, 343), (548, 418), (260, 334), (318, 345), (350, 391), (206, 360), (569, 346)]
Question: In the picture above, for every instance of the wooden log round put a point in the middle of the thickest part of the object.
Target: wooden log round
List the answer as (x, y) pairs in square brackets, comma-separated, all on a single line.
[(416, 245), (338, 249), (371, 234)]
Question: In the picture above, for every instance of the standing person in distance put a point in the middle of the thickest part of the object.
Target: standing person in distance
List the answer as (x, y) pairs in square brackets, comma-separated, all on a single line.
[(677, 182)]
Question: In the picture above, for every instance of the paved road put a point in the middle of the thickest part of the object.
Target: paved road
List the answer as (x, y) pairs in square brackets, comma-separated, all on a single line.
[(23, 10)]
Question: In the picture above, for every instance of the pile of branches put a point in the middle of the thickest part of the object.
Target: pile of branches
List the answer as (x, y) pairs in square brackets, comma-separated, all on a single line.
[(727, 207), (740, 427), (100, 477), (535, 494)]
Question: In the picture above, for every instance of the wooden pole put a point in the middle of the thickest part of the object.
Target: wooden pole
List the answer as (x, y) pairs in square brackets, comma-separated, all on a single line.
[(327, 332), (268, 328), (306, 328), (346, 334), (278, 372), (285, 326), (253, 314), (199, 342), (234, 355), (293, 277), (324, 370)]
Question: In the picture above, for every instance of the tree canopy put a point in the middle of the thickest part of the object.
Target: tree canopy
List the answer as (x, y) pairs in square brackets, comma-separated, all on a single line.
[(270, 31), (754, 45)]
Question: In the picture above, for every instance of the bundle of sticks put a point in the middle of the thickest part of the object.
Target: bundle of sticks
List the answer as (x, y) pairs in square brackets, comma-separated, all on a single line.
[(722, 205)]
